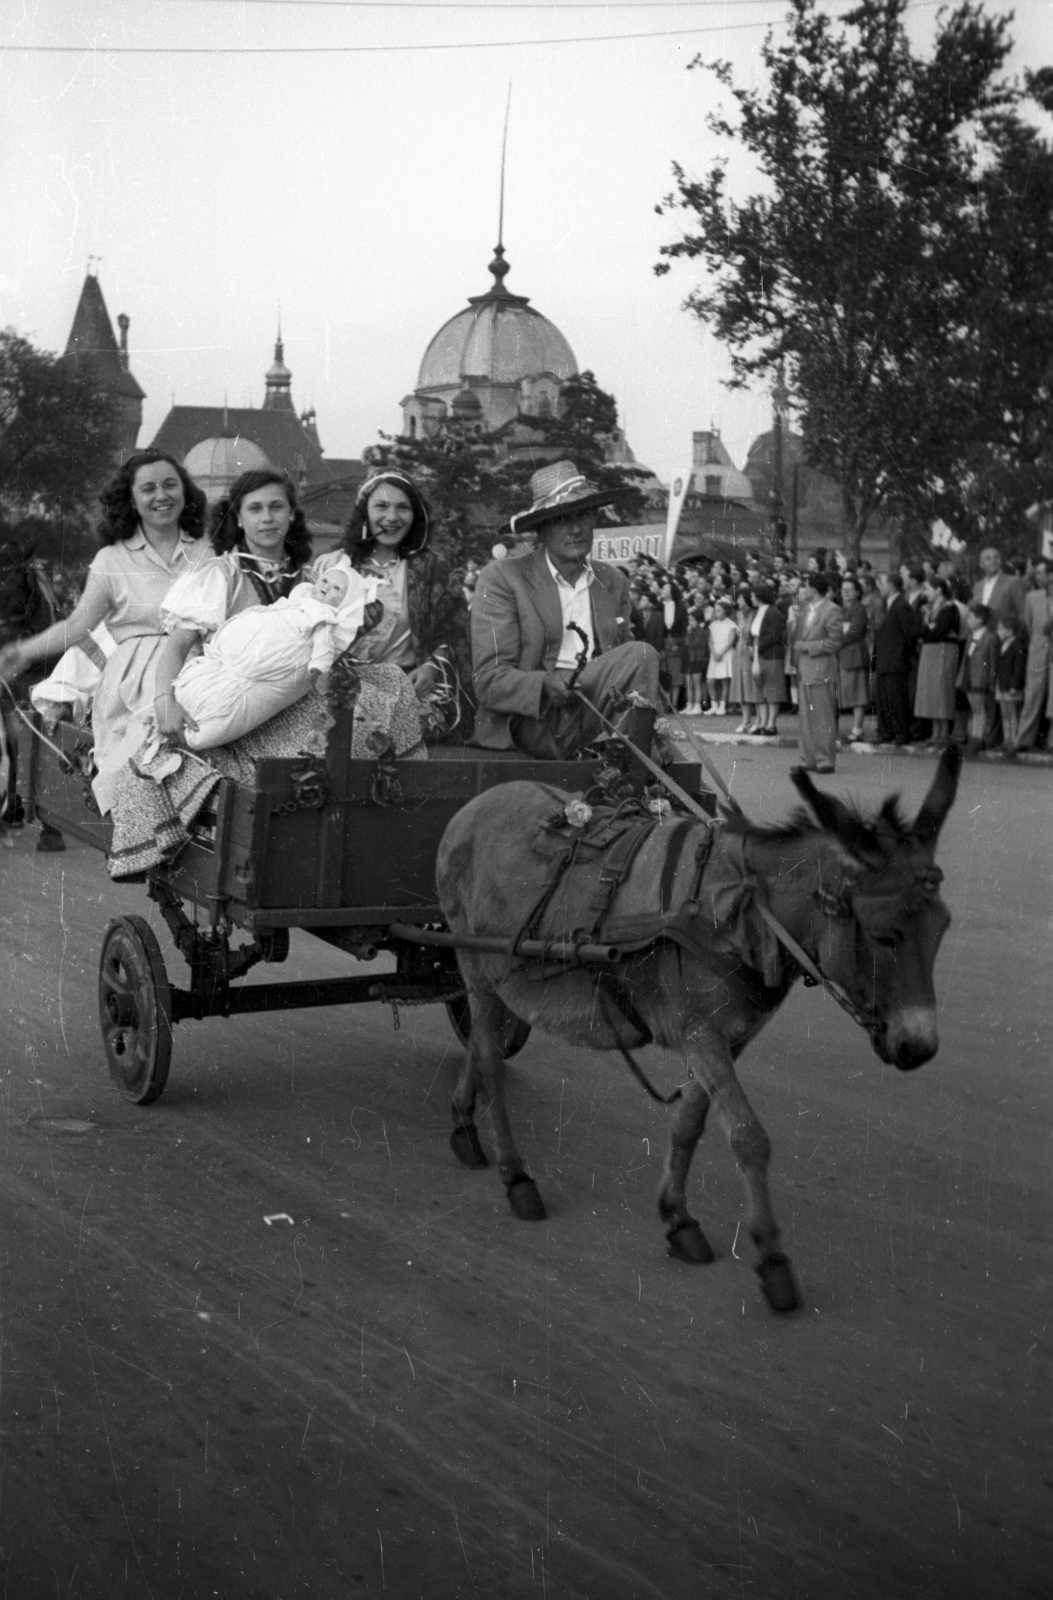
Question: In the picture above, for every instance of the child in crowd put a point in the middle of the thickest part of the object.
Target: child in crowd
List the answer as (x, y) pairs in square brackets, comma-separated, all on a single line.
[(978, 672), (697, 660), (266, 658), (722, 636), (1010, 676)]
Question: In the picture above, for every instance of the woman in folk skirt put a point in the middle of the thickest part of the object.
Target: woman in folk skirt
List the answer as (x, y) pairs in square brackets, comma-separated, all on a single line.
[(767, 634), (938, 665)]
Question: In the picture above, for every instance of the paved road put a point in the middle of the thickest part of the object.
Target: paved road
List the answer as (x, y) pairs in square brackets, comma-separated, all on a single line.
[(406, 1391)]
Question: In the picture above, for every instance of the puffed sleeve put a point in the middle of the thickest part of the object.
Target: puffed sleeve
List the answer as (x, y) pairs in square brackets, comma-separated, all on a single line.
[(200, 601)]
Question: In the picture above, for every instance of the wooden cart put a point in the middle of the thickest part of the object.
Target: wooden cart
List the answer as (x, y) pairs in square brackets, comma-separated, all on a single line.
[(344, 849)]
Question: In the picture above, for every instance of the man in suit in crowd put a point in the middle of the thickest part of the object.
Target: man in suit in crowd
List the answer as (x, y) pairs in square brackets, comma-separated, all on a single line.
[(525, 647), (1000, 591), (816, 642), (894, 639), (1038, 686)]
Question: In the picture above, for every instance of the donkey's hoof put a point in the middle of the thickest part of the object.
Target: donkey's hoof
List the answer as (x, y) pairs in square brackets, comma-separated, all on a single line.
[(525, 1200), (688, 1243), (464, 1142), (50, 839), (778, 1284)]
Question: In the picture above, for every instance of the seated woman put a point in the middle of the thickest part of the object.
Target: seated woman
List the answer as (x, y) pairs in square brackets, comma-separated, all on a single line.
[(425, 625), (153, 519), (266, 658)]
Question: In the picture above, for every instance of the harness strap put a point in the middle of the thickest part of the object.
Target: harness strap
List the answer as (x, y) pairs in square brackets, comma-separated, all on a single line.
[(803, 959), (786, 939), (608, 988)]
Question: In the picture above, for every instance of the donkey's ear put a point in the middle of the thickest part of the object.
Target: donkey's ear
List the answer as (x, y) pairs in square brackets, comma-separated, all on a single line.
[(940, 798), (836, 818)]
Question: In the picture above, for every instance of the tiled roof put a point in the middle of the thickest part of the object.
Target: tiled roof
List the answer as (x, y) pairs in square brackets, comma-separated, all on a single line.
[(92, 344), (279, 434)]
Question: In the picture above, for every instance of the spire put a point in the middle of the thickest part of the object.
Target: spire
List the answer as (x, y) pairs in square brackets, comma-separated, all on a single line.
[(278, 396), (499, 266)]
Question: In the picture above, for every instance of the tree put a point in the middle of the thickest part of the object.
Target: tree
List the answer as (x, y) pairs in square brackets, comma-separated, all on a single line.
[(476, 480), (861, 265), (56, 440)]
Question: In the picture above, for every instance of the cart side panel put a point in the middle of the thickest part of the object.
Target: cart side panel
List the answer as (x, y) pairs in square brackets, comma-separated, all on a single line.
[(358, 849), (58, 797)]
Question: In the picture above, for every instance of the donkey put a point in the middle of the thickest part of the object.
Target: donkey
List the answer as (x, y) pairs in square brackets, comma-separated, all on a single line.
[(858, 893)]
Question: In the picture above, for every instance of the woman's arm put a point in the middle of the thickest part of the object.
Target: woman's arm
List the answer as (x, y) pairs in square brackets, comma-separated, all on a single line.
[(93, 607), (171, 718)]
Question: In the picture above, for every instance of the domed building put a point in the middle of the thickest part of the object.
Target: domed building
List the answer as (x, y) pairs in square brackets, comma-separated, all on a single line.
[(495, 360), (497, 364), (215, 463)]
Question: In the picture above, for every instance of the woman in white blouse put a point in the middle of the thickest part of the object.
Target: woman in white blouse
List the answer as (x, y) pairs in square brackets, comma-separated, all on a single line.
[(151, 533)]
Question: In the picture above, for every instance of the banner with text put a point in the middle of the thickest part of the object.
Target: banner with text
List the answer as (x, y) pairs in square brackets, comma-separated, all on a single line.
[(619, 545), (678, 491)]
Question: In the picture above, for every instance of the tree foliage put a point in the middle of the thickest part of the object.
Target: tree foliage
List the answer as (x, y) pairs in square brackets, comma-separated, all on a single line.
[(56, 439), (898, 211), (476, 480)]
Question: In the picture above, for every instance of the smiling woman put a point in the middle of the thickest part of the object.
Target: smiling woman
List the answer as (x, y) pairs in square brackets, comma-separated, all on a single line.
[(153, 519)]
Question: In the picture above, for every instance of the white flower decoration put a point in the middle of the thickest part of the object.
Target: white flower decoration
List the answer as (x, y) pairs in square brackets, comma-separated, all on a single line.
[(577, 813)]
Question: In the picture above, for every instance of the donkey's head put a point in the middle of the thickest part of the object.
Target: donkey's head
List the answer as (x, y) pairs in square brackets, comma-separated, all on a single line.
[(883, 925)]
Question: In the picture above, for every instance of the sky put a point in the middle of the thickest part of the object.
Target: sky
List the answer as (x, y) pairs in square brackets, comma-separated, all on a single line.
[(357, 190)]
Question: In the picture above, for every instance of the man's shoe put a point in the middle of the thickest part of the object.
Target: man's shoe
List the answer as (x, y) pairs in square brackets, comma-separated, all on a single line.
[(824, 766)]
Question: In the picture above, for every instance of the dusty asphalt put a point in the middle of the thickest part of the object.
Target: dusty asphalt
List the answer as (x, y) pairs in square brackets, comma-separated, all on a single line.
[(406, 1391)]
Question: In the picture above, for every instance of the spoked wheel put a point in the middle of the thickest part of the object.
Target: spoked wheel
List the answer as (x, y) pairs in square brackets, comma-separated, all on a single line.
[(135, 1010), (513, 1035)]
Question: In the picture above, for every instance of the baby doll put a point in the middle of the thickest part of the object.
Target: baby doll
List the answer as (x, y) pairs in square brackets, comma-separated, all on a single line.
[(266, 658)]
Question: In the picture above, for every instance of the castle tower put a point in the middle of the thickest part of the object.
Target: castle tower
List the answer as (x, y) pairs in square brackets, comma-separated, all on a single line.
[(93, 348)]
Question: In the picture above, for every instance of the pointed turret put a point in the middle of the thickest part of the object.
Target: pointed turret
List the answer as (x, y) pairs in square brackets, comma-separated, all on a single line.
[(278, 380), (92, 348)]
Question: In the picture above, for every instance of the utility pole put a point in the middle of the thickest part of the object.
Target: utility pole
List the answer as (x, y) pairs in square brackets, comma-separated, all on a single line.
[(780, 400)]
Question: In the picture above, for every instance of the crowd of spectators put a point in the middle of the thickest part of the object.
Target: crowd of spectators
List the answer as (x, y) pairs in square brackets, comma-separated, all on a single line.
[(928, 655)]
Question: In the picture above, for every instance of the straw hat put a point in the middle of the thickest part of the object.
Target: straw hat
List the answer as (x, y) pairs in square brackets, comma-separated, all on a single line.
[(560, 490)]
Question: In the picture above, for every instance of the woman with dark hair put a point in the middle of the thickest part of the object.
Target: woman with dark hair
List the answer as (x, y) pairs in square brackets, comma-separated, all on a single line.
[(854, 656), (767, 634), (425, 625), (674, 617), (153, 519), (934, 694), (260, 538)]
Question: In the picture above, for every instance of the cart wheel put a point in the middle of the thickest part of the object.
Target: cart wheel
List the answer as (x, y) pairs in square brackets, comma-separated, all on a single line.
[(135, 1009), (514, 1031)]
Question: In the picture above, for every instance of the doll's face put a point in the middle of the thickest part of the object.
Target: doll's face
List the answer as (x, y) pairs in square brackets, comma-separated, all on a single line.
[(331, 588)]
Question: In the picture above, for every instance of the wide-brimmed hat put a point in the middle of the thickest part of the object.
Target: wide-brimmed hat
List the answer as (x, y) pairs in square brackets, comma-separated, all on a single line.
[(560, 490)]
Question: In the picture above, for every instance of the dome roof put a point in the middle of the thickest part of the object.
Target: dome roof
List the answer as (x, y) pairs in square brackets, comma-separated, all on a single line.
[(498, 337), (215, 463)]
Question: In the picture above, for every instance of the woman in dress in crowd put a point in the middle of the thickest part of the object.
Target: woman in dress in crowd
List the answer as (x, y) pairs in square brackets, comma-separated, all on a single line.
[(934, 696), (743, 690), (151, 531), (854, 656), (425, 627), (767, 635)]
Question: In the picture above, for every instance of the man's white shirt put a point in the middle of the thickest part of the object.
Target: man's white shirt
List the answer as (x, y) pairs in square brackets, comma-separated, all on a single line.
[(576, 607)]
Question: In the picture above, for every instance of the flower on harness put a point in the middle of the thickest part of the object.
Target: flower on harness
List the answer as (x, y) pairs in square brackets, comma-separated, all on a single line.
[(577, 813), (659, 805)]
